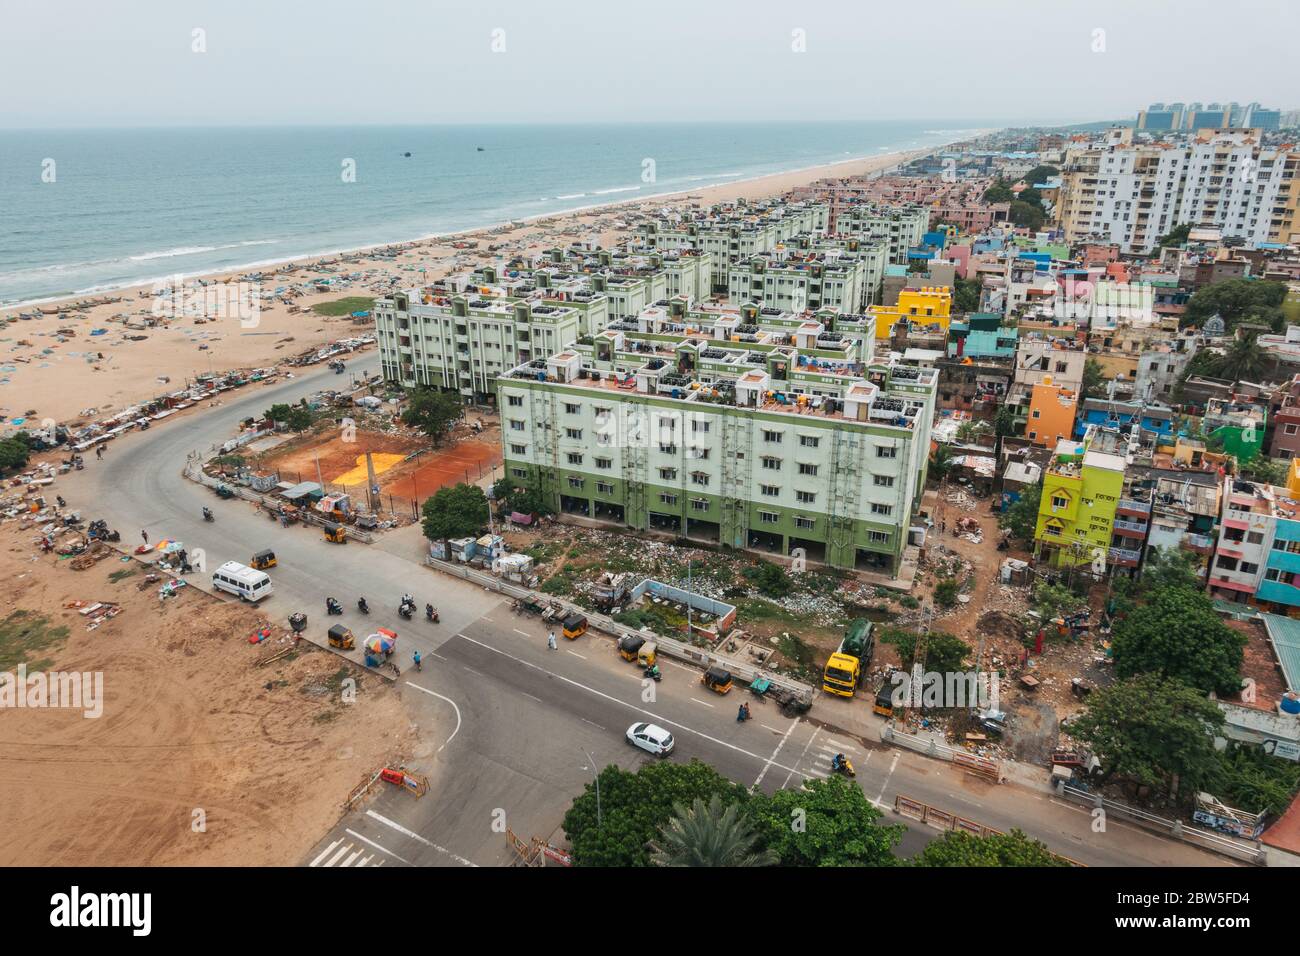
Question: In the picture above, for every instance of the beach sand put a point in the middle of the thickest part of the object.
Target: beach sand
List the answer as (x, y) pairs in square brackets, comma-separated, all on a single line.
[(46, 374)]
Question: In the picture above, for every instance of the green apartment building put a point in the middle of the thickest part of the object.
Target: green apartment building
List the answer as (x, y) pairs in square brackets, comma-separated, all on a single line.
[(731, 434)]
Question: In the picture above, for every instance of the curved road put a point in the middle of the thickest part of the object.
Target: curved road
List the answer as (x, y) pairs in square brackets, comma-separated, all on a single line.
[(508, 724)]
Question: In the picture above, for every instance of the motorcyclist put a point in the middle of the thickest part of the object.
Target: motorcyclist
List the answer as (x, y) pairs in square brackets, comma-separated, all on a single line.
[(332, 605), (362, 606), (428, 611), (837, 762), (652, 671), (207, 514)]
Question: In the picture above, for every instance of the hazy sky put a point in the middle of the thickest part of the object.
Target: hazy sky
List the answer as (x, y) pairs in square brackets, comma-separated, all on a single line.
[(131, 62)]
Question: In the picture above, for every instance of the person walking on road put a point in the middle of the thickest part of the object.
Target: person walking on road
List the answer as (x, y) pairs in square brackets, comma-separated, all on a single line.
[(145, 535), (550, 640)]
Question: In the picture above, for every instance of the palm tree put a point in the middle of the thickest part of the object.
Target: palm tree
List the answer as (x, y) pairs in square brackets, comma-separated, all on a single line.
[(1244, 360), (709, 835)]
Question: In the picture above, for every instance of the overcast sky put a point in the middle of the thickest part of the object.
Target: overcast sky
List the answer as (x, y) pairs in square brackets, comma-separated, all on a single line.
[(131, 62)]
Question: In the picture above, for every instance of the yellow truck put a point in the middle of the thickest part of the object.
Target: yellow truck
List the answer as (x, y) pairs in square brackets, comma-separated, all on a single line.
[(847, 666)]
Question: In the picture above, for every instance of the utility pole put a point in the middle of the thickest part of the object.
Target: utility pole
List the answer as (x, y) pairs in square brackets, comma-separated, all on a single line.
[(595, 776)]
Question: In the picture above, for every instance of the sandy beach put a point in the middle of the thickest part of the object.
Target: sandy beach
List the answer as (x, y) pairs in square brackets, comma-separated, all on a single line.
[(52, 366)]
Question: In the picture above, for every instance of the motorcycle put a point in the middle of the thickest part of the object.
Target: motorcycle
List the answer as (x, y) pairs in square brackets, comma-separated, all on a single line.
[(406, 610), (842, 764), (653, 673), (333, 607), (207, 515), (431, 613), (362, 606)]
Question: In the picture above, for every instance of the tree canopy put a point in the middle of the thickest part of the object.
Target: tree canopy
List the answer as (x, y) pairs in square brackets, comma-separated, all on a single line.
[(956, 848), (826, 823), (709, 834), (1177, 633), (634, 806), (1175, 236), (296, 418), (1236, 301), (454, 512), (1021, 516), (1148, 729), (943, 652), (14, 453), (432, 411)]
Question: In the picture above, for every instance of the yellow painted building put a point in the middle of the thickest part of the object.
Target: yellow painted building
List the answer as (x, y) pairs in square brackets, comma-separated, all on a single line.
[(1082, 491), (925, 309)]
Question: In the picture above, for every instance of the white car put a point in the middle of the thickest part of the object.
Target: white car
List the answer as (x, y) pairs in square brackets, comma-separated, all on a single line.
[(651, 737)]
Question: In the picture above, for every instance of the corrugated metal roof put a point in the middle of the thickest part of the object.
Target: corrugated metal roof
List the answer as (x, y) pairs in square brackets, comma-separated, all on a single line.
[(1284, 632)]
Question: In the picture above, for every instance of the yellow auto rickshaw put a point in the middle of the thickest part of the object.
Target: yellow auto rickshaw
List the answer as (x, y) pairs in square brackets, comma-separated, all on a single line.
[(717, 680), (575, 625), (341, 637), (336, 533), (646, 656), (629, 646), (263, 560)]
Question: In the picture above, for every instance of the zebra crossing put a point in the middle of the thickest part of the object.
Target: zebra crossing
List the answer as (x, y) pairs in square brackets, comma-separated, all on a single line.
[(341, 853)]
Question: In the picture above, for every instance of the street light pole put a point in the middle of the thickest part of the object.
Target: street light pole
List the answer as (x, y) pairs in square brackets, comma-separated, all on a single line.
[(596, 776)]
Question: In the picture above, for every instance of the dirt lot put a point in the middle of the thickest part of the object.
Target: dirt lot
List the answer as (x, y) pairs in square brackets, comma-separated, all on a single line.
[(191, 730)]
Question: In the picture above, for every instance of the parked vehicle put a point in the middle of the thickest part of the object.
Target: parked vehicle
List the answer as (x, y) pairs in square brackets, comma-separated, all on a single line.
[(651, 738), (847, 666), (717, 679), (244, 582), (341, 636), (336, 533), (629, 646), (575, 625), (263, 560)]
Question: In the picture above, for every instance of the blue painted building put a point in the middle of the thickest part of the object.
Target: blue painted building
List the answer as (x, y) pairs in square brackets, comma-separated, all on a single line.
[(1152, 417)]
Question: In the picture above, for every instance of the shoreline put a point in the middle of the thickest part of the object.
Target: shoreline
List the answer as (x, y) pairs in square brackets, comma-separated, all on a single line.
[(76, 361), (307, 257)]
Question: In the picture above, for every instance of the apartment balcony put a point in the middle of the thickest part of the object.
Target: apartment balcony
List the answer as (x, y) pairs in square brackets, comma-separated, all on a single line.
[(1131, 507), (1124, 558), (1131, 529), (1199, 543)]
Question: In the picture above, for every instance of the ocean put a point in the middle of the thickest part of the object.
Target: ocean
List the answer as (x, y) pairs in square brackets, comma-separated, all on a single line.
[(84, 211)]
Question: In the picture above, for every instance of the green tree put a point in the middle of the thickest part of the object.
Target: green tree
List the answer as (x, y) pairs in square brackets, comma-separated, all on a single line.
[(1175, 236), (768, 579), (634, 806), (966, 295), (1004, 422), (1094, 379), (432, 411), (1237, 300), (826, 823), (1021, 516), (1178, 634), (1041, 174), (941, 462), (1168, 569), (1027, 215), (525, 500), (14, 453), (1054, 600), (454, 512), (946, 591), (1267, 471), (1000, 191), (956, 848), (709, 834), (1149, 729), (1245, 359), (943, 652), (1255, 781)]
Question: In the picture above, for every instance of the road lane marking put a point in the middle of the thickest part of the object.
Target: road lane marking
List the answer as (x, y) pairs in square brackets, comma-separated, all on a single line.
[(433, 693), (888, 776), (324, 853), (767, 764), (515, 629), (531, 697), (335, 858), (592, 722), (816, 731), (489, 620), (704, 703), (415, 836), (775, 730), (657, 718), (574, 653), (355, 835)]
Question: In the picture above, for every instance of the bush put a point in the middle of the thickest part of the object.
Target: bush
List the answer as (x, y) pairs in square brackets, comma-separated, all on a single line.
[(946, 591), (768, 579)]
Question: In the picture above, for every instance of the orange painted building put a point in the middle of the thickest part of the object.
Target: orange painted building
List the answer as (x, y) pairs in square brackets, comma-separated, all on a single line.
[(1051, 414)]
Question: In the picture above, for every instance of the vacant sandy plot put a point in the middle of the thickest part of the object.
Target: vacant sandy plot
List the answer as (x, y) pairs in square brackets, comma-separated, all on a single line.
[(200, 757)]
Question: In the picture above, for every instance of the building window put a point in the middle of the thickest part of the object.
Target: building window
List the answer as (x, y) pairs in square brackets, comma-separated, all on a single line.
[(605, 487), (669, 499), (668, 449), (572, 409), (700, 478), (700, 504), (805, 497), (518, 449), (805, 523), (1289, 429), (575, 482), (515, 400), (519, 472), (769, 491), (883, 481), (668, 474), (1037, 413), (879, 537), (886, 452), (516, 425), (1255, 537), (1226, 563), (809, 441), (1249, 568), (768, 517), (574, 433), (699, 426), (1059, 502), (575, 458), (771, 437), (806, 469), (604, 463), (771, 464), (879, 509)]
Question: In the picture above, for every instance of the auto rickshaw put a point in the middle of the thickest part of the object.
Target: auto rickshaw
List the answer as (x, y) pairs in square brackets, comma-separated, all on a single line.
[(630, 646), (263, 560), (575, 625), (336, 533), (646, 656), (717, 680), (341, 637)]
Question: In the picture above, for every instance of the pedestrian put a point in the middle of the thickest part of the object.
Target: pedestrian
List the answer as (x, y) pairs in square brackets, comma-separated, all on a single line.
[(145, 534), (550, 640)]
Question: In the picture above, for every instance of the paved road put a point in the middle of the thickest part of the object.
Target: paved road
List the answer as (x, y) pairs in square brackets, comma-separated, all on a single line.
[(509, 722)]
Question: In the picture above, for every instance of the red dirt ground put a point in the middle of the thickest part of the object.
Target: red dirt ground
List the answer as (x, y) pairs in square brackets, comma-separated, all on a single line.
[(444, 466), (297, 462)]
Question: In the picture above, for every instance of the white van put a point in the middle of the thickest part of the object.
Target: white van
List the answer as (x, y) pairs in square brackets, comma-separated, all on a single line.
[(243, 581)]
